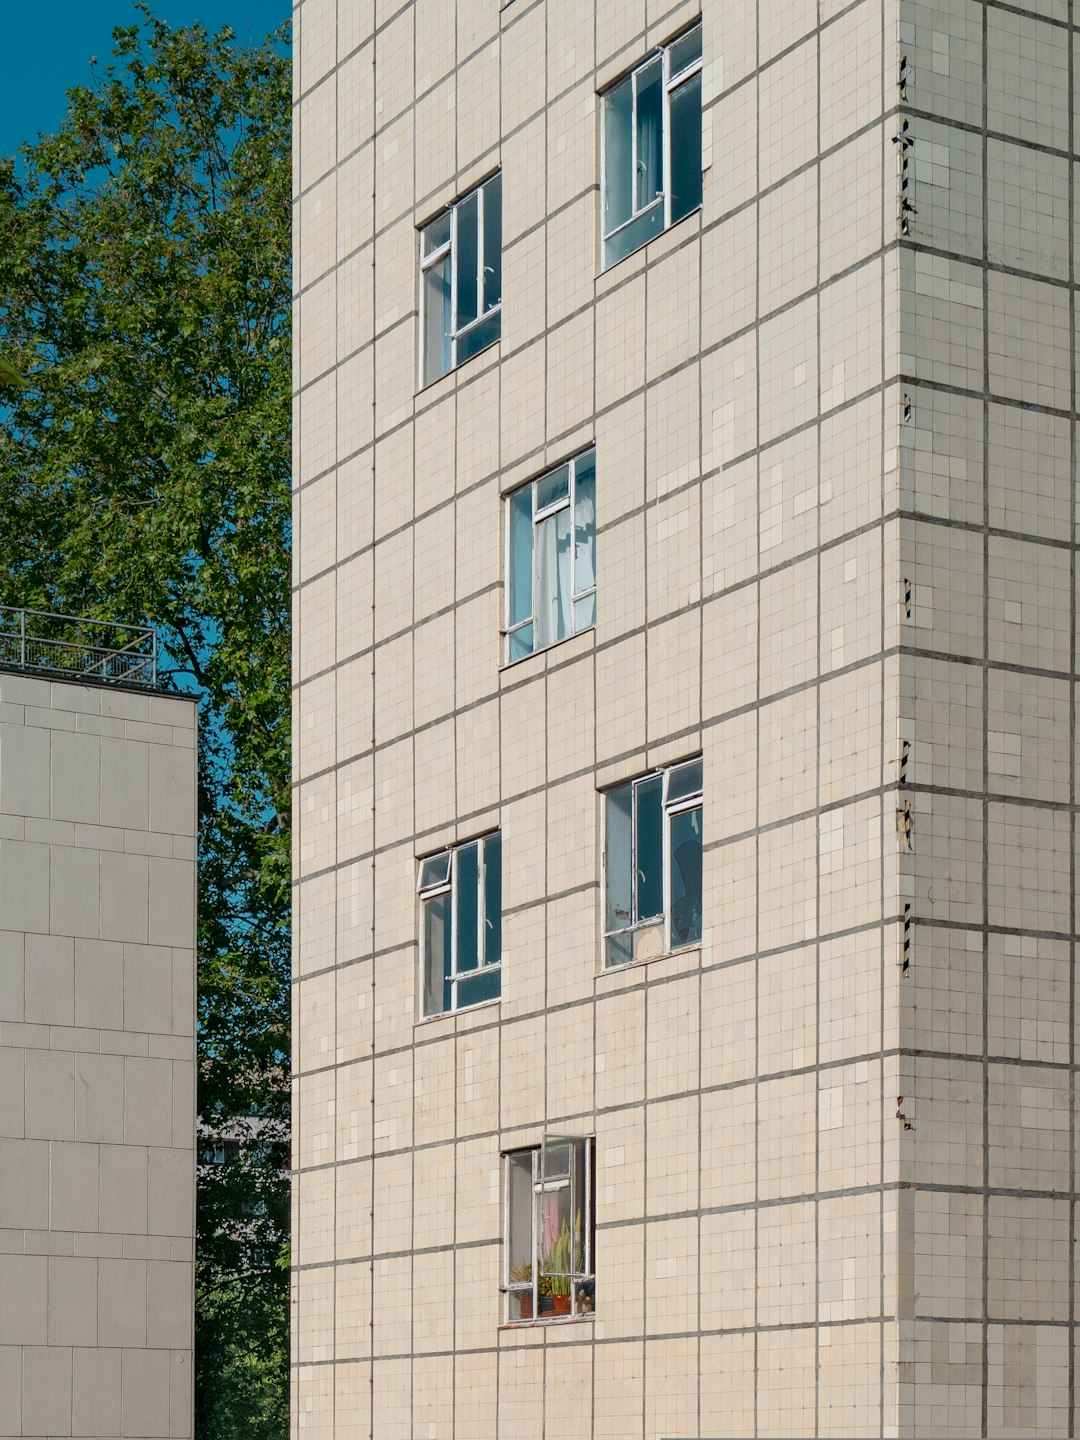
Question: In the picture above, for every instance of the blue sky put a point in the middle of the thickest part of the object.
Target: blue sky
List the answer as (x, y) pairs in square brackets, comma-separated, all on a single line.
[(47, 49)]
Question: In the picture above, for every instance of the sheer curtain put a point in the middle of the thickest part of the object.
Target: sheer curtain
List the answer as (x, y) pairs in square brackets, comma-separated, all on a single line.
[(553, 597)]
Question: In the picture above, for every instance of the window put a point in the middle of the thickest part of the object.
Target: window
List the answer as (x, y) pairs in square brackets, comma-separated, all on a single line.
[(461, 281), (652, 146), (551, 557), (652, 862), (461, 926), (548, 1252), (218, 1152)]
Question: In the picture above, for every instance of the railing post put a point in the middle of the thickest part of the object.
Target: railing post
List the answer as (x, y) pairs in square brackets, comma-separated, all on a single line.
[(22, 639)]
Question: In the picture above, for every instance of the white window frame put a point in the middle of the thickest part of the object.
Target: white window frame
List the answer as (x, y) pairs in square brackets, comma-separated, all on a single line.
[(669, 811), (451, 247), (449, 887), (670, 83), (581, 1279), (567, 502)]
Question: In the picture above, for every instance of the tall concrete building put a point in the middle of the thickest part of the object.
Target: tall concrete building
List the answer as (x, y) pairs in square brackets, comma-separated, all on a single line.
[(97, 1022), (685, 719)]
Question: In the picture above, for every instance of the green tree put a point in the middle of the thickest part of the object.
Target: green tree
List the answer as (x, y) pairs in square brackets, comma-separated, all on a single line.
[(144, 476), (8, 374)]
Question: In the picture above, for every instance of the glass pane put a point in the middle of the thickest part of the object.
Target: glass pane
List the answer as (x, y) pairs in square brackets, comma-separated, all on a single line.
[(684, 780), (585, 612), (618, 858), (521, 537), (577, 1223), (435, 234), (686, 148), (685, 50), (650, 848), (437, 320), (650, 140), (485, 985), (520, 643), (479, 337), (492, 242), (519, 1217), (493, 900), (620, 948), (557, 1161), (435, 870), (553, 487), (584, 525), (634, 235), (686, 878), (618, 155), (437, 997), (556, 1237), (466, 900), (553, 578), (468, 213), (554, 1228)]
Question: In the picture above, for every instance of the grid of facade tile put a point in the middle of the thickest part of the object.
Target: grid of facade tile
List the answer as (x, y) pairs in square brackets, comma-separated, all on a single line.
[(97, 1059), (834, 421)]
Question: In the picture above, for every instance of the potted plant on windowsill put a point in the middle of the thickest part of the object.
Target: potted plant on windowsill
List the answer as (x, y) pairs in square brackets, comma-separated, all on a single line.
[(556, 1272), (521, 1274), (545, 1301)]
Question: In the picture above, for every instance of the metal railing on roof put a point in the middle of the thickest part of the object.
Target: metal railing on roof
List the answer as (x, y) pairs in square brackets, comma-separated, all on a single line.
[(74, 648)]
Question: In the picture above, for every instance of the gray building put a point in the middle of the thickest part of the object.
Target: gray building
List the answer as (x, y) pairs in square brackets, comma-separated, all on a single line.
[(97, 1021), (685, 696)]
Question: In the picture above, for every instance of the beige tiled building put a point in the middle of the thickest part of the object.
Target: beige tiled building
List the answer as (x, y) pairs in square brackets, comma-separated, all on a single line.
[(685, 719), (97, 1065)]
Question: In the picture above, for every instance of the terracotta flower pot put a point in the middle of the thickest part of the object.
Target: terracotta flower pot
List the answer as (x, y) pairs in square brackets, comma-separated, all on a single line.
[(562, 1304), (525, 1307)]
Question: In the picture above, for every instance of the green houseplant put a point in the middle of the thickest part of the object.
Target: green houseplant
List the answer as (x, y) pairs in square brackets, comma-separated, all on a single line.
[(556, 1271)]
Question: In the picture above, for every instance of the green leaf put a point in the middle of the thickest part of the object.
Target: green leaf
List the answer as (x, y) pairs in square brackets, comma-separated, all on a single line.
[(9, 375), (145, 476)]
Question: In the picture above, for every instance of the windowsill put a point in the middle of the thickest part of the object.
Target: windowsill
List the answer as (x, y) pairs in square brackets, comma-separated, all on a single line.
[(652, 239), (509, 665), (684, 952), (457, 369), (456, 1014), (543, 1321)]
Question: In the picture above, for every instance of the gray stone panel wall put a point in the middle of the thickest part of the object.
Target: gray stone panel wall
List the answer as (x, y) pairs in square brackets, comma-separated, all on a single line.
[(97, 1073)]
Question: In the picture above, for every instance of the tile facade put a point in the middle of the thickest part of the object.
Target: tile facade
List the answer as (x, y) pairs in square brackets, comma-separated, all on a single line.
[(834, 414), (97, 1060)]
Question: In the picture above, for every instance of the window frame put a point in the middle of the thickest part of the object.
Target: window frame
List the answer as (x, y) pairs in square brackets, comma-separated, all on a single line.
[(580, 1279), (670, 810), (670, 83), (433, 890), (540, 514), (451, 247)]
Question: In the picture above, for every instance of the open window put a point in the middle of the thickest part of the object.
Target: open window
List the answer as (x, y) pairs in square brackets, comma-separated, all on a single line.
[(548, 1250), (461, 926), (461, 281), (652, 864), (652, 146), (551, 557)]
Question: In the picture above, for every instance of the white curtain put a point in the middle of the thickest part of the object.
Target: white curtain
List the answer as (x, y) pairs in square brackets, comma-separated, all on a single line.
[(553, 578)]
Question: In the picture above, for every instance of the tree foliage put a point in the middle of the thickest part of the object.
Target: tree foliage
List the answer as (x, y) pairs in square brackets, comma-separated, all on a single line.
[(144, 477)]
